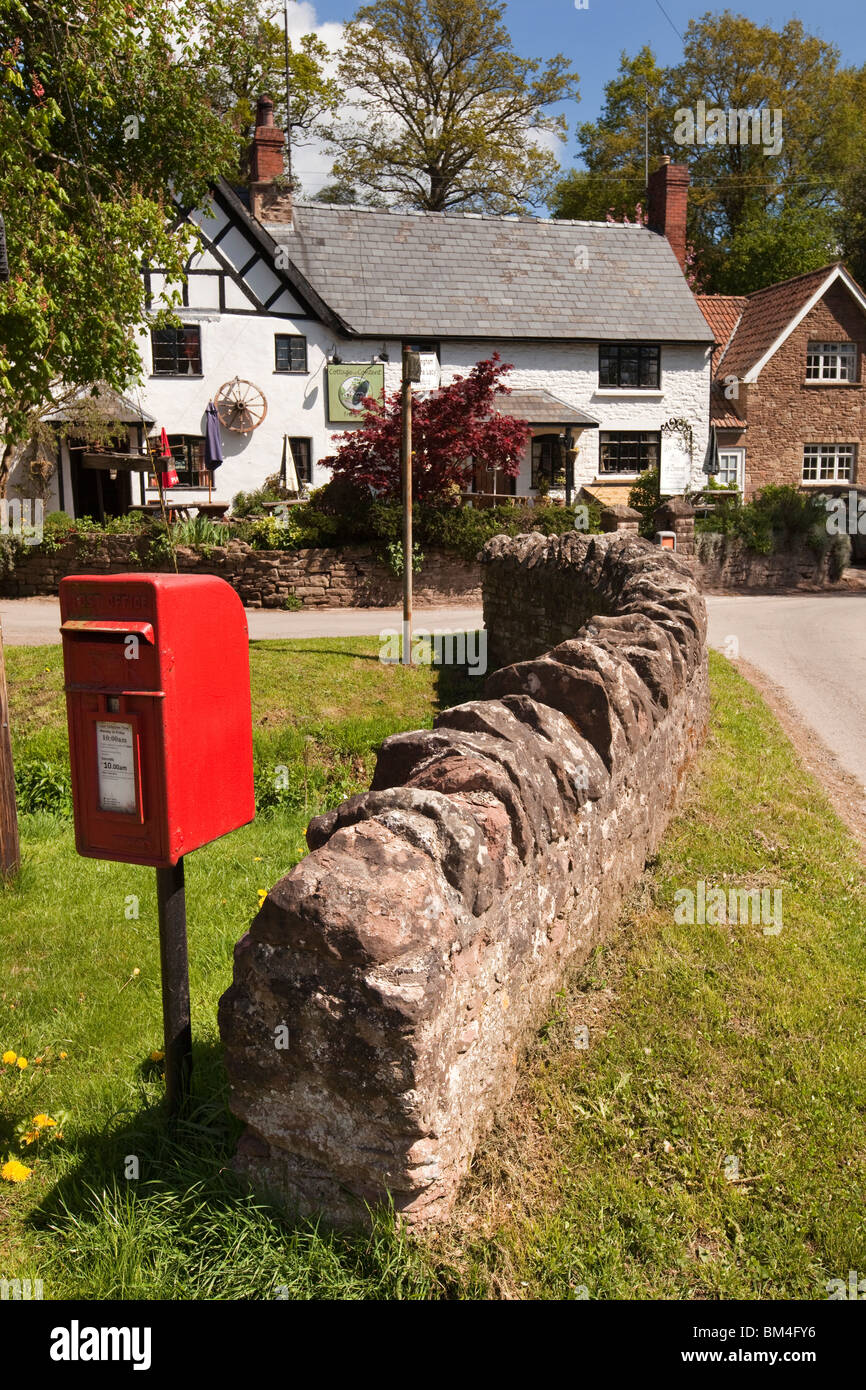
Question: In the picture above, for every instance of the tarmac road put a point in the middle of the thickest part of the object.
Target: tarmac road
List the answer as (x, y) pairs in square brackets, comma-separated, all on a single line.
[(811, 645), (814, 647), (29, 622)]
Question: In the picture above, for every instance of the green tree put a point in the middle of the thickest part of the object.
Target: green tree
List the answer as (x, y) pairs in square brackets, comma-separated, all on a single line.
[(734, 64), (103, 126), (769, 248), (613, 147), (744, 200), (448, 113), (244, 57)]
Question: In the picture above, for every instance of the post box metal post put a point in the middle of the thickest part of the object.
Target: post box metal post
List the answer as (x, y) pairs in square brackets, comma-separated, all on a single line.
[(160, 737)]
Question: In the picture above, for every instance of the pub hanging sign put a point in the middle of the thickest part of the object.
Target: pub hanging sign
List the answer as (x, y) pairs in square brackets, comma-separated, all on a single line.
[(349, 384)]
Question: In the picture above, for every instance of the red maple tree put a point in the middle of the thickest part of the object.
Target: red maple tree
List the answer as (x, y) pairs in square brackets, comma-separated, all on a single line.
[(452, 429)]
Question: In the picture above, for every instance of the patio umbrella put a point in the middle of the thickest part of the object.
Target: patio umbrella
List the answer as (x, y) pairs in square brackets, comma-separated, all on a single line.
[(213, 444), (290, 472), (711, 460)]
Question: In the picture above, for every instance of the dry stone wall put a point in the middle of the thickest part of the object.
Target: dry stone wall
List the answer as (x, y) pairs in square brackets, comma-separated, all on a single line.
[(347, 578), (404, 962)]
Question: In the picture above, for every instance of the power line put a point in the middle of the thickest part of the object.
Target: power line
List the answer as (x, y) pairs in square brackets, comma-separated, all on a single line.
[(669, 20)]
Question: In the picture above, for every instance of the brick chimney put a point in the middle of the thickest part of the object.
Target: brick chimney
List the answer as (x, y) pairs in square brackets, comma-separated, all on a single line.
[(668, 204), (268, 201)]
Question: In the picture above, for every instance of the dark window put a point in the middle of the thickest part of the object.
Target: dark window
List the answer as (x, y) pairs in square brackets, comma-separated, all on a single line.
[(187, 453), (628, 452), (628, 364), (177, 351), (290, 351), (422, 345), (303, 455), (548, 461)]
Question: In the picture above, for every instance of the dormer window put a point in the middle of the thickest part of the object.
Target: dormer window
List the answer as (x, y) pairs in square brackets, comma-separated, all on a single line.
[(629, 365), (831, 362)]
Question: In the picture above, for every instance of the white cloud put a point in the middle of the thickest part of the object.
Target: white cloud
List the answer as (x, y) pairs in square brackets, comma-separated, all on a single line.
[(311, 163)]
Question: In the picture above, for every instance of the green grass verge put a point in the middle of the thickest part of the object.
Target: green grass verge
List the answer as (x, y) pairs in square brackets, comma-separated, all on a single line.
[(607, 1176)]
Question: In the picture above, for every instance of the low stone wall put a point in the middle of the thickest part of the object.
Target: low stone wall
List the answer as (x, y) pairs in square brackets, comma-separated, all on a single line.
[(724, 562), (382, 994), (263, 578)]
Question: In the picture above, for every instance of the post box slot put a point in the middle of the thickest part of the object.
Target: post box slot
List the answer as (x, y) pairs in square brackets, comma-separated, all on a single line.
[(97, 688), (106, 631)]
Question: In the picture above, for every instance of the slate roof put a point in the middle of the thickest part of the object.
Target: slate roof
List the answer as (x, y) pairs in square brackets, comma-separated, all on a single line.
[(541, 408), (445, 275), (112, 405)]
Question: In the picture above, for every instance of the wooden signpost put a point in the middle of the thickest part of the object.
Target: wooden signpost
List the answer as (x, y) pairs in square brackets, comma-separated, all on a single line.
[(10, 851)]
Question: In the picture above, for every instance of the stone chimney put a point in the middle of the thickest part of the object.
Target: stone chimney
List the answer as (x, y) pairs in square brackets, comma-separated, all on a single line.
[(269, 201), (668, 204)]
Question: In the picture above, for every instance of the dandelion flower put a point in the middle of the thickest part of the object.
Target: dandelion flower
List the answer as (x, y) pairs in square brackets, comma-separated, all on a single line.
[(10, 1057), (31, 1136), (43, 1121), (63, 1056), (156, 1055), (13, 1171), (21, 1063)]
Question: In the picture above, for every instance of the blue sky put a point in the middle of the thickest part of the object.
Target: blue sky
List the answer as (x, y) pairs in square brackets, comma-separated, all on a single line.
[(594, 38)]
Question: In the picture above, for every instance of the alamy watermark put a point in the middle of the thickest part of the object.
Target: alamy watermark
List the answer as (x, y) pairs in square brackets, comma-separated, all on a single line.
[(714, 907), (838, 1290), (467, 649), (846, 516), (21, 1290), (22, 519), (753, 125)]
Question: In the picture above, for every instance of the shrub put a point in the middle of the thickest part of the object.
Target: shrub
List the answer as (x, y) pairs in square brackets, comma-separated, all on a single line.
[(43, 786), (254, 503), (777, 517), (645, 497), (202, 532)]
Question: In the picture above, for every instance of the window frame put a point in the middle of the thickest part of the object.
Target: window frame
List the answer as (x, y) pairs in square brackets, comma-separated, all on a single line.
[(609, 352), (740, 453), (180, 346), (644, 438), (821, 478), (820, 354), (181, 461), (290, 370), (426, 345), (306, 440)]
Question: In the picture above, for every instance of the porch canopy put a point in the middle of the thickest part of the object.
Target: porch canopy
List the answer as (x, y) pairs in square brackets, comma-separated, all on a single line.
[(542, 408), (110, 406)]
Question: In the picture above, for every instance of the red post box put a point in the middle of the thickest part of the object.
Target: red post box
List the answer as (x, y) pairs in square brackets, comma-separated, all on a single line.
[(158, 704)]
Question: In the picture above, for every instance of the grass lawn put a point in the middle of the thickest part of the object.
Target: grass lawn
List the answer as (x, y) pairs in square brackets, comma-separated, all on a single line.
[(709, 1142)]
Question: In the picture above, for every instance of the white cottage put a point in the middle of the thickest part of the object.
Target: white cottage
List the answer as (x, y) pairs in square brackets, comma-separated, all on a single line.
[(291, 311)]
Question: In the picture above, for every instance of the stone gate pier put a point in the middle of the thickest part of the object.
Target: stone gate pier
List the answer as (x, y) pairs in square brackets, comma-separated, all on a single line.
[(404, 962)]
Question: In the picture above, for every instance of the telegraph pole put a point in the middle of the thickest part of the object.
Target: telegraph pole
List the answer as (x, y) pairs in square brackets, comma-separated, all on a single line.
[(411, 372), (288, 154), (10, 850)]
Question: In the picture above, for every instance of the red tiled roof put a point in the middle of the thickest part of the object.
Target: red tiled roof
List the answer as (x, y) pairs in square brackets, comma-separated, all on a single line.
[(722, 312), (722, 413), (746, 326), (765, 317)]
